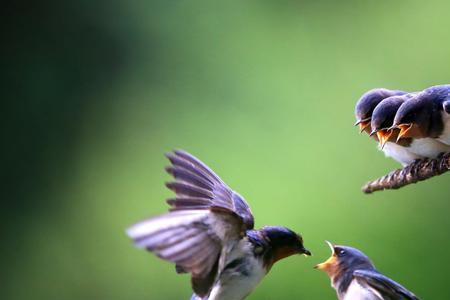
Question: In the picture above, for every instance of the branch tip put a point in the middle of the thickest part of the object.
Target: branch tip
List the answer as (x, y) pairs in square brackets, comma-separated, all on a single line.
[(419, 170)]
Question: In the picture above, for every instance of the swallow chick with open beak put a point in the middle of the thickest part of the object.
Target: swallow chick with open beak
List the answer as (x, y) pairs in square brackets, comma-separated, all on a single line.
[(209, 233), (424, 119), (382, 119), (354, 277), (367, 103)]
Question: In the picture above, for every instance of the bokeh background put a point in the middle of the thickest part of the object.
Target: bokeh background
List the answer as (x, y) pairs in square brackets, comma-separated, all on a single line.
[(95, 92)]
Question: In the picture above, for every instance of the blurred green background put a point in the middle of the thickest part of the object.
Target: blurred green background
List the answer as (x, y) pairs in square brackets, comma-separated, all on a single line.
[(262, 91)]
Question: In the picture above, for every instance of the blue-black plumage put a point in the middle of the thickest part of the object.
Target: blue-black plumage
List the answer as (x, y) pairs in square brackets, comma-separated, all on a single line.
[(354, 276), (424, 117), (209, 233), (367, 103)]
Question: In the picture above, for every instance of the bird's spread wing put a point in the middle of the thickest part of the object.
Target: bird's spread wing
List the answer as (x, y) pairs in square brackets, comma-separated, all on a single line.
[(205, 215), (198, 187), (382, 284), (186, 239)]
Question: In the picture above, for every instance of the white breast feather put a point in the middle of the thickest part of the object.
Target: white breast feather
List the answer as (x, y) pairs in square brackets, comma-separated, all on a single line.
[(428, 147), (401, 154), (358, 292), (235, 286)]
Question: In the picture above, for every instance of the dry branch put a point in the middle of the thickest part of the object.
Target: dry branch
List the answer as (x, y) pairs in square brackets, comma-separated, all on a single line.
[(417, 171)]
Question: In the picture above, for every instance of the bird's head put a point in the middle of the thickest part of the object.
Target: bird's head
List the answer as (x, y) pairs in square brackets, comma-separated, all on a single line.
[(413, 118), (383, 116), (283, 242), (344, 259), (367, 103)]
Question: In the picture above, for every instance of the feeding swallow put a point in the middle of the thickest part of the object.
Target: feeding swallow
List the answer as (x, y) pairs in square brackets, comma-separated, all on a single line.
[(354, 276), (382, 119), (209, 233), (424, 119), (367, 103)]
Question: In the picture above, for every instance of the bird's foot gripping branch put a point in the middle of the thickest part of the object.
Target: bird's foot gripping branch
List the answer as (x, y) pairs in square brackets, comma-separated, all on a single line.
[(419, 170)]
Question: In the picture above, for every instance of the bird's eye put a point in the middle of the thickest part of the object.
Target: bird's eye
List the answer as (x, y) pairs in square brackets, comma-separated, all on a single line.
[(258, 250), (340, 252), (447, 106)]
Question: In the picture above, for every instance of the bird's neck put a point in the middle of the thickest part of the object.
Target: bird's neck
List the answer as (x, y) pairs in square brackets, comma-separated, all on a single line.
[(341, 281), (436, 122), (265, 250), (436, 125), (261, 245)]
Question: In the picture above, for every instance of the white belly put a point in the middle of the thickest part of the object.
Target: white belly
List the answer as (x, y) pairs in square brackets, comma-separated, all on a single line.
[(445, 136), (358, 292), (401, 154), (238, 282), (428, 147)]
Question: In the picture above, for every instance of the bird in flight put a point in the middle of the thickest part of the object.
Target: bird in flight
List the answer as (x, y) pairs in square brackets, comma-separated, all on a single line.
[(354, 276), (209, 233)]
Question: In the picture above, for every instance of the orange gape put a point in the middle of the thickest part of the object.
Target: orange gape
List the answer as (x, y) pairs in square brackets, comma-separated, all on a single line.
[(330, 266), (384, 136), (404, 129), (365, 127)]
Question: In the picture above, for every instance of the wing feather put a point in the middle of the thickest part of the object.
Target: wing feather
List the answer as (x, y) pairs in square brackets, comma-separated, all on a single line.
[(179, 237), (186, 189), (384, 285), (204, 216), (192, 202), (198, 164), (190, 177), (181, 162), (194, 179)]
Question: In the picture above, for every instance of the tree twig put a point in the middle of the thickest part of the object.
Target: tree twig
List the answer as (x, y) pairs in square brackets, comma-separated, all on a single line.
[(417, 171)]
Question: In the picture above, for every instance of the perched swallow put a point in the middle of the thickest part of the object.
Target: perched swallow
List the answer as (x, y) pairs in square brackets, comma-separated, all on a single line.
[(382, 119), (209, 233), (424, 119), (354, 277), (367, 103)]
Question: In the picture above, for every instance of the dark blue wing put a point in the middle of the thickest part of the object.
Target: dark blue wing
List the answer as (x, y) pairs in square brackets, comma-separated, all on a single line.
[(388, 288)]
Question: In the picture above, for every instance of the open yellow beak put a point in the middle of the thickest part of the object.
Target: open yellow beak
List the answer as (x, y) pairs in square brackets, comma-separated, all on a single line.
[(329, 262), (404, 128), (363, 126), (383, 136)]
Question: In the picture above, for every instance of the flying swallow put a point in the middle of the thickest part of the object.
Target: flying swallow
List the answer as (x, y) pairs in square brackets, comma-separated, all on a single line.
[(209, 233), (354, 277), (367, 103), (382, 119), (425, 119)]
